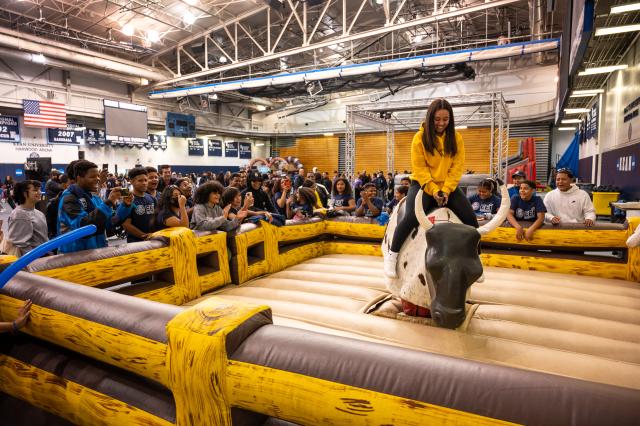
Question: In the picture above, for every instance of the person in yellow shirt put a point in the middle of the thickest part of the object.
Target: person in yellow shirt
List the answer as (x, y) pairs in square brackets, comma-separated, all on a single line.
[(437, 162)]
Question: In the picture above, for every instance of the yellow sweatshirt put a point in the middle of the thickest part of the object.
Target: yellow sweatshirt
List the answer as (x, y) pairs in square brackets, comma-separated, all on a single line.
[(438, 172)]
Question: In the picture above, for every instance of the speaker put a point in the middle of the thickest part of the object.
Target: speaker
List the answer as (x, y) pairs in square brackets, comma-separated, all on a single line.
[(80, 155)]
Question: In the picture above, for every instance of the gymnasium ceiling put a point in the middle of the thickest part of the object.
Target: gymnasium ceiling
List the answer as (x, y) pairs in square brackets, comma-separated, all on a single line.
[(196, 42)]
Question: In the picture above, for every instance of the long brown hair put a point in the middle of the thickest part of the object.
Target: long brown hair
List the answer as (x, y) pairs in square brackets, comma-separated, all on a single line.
[(429, 134)]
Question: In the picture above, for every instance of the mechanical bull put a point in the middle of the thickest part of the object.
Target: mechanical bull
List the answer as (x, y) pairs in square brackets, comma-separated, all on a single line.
[(439, 260)]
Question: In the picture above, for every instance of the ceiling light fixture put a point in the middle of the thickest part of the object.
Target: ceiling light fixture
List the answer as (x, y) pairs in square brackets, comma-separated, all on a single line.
[(418, 38), (623, 8), (576, 110), (261, 107), (582, 95), (189, 18), (461, 127), (38, 58), (617, 30), (571, 121), (327, 134), (603, 70), (379, 1), (587, 91), (566, 129), (128, 30), (223, 59), (214, 97), (260, 144), (153, 36)]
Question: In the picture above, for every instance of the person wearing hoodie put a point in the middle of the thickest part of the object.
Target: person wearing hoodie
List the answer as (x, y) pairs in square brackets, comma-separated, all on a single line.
[(262, 205), (437, 162), (568, 203)]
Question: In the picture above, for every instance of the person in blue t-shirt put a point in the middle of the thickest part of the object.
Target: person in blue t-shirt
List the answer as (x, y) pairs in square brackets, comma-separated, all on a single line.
[(368, 205), (141, 221), (485, 203), (526, 207), (300, 205), (517, 177), (342, 201)]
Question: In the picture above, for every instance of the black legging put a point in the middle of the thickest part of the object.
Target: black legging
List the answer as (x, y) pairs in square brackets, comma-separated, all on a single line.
[(457, 203)]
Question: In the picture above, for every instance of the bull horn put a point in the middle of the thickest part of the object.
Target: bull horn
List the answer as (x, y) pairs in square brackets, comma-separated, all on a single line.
[(500, 216), (420, 215)]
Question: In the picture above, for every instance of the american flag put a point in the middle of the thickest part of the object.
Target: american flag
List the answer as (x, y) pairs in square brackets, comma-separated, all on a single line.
[(44, 114)]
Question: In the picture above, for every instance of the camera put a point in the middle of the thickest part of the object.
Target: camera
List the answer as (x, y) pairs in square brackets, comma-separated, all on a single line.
[(124, 192)]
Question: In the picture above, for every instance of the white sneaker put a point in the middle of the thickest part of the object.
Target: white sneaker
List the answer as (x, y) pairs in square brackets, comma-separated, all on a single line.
[(390, 262)]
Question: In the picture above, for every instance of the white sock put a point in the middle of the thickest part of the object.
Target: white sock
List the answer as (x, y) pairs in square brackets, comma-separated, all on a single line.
[(390, 262)]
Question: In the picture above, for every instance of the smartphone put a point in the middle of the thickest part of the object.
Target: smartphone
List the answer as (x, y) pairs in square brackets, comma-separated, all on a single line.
[(124, 192)]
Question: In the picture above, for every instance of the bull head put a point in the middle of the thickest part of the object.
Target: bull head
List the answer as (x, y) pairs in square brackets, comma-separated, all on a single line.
[(451, 263)]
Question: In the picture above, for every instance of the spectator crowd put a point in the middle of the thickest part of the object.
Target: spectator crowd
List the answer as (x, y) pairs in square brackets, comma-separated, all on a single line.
[(147, 199)]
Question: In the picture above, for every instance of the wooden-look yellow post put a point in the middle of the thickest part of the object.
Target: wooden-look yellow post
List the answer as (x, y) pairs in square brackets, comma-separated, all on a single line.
[(271, 251), (633, 255), (6, 259), (197, 359), (182, 248)]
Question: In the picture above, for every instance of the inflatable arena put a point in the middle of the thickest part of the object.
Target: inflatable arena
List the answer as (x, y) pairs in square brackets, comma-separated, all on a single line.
[(296, 325)]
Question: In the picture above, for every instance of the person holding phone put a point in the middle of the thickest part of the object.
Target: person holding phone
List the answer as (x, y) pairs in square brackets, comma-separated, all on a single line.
[(437, 162), (238, 210), (262, 205), (281, 190), (80, 206)]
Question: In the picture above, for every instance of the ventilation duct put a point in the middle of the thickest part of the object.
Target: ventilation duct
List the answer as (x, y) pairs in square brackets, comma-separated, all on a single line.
[(470, 55), (72, 54)]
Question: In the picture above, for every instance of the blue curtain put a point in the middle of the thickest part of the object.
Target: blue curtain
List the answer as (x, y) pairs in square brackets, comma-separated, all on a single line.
[(569, 159)]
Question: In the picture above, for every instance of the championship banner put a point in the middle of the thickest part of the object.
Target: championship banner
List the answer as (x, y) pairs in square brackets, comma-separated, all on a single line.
[(9, 129), (65, 136), (231, 149), (245, 150), (196, 146), (215, 148), (95, 137), (156, 141)]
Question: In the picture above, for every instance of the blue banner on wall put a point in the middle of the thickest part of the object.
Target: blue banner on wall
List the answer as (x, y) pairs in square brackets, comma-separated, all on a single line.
[(215, 148), (196, 146), (65, 136), (245, 150), (9, 129), (96, 137), (231, 149)]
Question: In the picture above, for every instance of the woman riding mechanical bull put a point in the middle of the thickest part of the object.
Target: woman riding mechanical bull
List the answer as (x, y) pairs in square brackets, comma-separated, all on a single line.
[(437, 283)]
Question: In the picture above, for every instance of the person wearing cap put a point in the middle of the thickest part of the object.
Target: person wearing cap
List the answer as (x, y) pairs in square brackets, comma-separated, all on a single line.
[(568, 203), (262, 205), (518, 177)]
